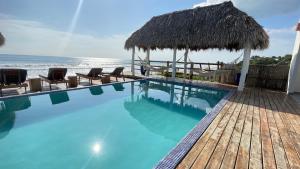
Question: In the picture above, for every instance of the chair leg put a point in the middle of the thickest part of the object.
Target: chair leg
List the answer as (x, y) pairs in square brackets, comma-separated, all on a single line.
[(50, 86), (123, 78), (25, 89), (116, 78)]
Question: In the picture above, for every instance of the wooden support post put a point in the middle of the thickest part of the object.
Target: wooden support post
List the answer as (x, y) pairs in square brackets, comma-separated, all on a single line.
[(191, 70), (185, 61), (208, 66), (174, 64), (132, 61), (244, 71), (168, 65), (218, 65), (148, 61)]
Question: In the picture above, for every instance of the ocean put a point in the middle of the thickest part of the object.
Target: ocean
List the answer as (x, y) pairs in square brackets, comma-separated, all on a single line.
[(37, 65)]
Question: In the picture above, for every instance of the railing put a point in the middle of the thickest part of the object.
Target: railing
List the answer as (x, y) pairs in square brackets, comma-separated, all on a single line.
[(179, 65)]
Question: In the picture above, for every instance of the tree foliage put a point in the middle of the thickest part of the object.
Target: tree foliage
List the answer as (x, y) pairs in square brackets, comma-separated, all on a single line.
[(274, 60)]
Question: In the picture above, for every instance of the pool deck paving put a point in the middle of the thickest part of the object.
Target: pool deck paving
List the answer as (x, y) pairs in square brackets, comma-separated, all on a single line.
[(255, 129)]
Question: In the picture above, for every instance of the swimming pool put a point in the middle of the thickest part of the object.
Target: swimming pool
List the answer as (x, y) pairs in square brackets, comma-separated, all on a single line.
[(124, 125)]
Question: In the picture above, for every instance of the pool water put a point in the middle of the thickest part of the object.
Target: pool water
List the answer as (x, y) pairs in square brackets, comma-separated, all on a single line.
[(127, 125)]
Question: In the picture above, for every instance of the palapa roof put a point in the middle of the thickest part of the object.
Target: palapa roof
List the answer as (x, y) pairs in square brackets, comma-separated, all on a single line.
[(220, 26), (2, 39)]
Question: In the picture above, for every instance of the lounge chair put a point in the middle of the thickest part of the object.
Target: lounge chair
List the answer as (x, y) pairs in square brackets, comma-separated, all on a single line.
[(12, 78), (94, 74), (55, 76), (118, 72)]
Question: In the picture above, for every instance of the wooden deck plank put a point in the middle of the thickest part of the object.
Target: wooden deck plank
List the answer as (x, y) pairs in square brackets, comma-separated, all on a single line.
[(232, 149), (287, 137), (279, 152), (256, 129), (197, 148), (267, 149), (287, 108), (217, 156), (207, 151), (255, 161), (244, 148), (294, 118)]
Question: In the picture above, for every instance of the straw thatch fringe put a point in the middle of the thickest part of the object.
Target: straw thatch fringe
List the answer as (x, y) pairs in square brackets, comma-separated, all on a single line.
[(220, 26), (1, 39)]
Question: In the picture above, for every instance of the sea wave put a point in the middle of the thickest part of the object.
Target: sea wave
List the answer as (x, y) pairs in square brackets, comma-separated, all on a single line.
[(37, 65)]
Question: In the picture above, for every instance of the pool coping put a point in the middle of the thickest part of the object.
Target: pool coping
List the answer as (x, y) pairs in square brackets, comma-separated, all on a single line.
[(65, 90), (176, 154)]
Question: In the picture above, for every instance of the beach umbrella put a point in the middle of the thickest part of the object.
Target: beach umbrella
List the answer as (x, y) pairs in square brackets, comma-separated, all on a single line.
[(294, 74), (2, 39)]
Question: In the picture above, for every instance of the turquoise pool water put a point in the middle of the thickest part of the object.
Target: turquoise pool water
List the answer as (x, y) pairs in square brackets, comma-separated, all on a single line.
[(127, 125)]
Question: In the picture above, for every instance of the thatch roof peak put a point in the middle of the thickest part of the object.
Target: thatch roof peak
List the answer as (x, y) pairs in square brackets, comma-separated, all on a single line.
[(220, 26), (2, 39)]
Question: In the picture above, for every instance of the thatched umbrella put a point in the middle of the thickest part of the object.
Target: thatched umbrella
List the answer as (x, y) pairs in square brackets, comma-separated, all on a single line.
[(2, 39), (220, 26)]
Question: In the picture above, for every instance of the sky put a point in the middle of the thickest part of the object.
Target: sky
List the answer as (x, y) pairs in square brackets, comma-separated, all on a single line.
[(98, 28)]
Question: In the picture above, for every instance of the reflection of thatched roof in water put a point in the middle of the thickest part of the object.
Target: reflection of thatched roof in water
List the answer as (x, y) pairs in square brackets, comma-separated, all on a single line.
[(220, 26), (156, 121), (7, 113), (2, 39)]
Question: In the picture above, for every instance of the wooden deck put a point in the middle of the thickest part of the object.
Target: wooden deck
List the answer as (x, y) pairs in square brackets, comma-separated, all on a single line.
[(255, 129)]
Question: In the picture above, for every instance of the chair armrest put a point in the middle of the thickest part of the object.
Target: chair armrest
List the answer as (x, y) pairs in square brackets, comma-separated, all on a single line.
[(43, 77)]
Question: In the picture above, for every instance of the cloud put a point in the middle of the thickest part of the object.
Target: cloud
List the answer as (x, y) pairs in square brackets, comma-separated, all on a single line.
[(281, 42), (35, 38), (260, 8)]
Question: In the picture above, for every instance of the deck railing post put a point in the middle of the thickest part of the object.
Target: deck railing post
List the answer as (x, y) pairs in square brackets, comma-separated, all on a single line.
[(191, 70), (168, 66)]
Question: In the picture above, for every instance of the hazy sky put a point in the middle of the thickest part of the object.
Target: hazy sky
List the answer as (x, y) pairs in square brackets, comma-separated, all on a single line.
[(98, 28)]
